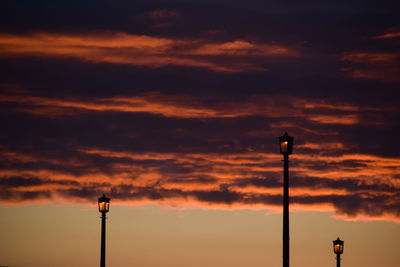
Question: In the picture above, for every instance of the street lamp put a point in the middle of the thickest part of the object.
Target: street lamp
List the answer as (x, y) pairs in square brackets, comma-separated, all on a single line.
[(338, 249), (286, 147), (104, 206)]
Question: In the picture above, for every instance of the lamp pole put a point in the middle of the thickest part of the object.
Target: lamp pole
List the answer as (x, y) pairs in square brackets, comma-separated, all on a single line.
[(286, 211), (286, 146), (104, 205), (103, 240)]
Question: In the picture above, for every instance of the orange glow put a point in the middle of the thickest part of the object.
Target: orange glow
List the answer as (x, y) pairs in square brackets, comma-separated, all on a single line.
[(316, 146), (191, 107), (221, 171), (140, 50), (243, 48), (373, 65), (388, 35), (104, 206), (284, 147), (325, 171), (345, 120), (361, 57)]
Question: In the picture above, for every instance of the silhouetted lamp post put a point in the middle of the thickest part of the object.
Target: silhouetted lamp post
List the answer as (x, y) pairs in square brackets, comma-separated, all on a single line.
[(286, 146), (338, 249), (104, 206)]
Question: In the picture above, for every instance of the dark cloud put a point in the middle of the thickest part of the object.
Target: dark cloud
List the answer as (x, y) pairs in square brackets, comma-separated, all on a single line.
[(198, 119), (22, 196), (13, 182)]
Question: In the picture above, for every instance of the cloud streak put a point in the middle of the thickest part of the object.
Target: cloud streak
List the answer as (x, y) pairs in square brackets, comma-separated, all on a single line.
[(181, 106), (145, 51), (374, 64), (352, 185)]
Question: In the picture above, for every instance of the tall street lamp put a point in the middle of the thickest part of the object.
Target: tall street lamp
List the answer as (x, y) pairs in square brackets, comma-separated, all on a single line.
[(286, 146), (104, 206), (338, 249)]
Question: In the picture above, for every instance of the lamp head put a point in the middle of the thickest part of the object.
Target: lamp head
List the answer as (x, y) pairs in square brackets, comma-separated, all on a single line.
[(338, 246), (286, 144), (104, 204)]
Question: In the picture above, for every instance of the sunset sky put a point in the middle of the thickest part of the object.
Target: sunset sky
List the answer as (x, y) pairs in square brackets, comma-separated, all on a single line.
[(174, 108)]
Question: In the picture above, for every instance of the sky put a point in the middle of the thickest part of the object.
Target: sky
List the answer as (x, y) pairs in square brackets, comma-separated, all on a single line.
[(173, 109)]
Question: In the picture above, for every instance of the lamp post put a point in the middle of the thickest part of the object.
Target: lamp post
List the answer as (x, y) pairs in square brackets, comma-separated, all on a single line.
[(338, 249), (286, 146), (104, 206)]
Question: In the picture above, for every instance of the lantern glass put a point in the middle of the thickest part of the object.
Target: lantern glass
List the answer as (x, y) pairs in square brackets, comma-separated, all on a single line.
[(104, 204), (286, 144), (284, 147), (338, 246)]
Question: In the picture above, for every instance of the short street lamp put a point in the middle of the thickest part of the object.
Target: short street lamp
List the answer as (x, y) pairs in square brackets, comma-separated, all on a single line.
[(338, 249), (286, 147), (104, 206)]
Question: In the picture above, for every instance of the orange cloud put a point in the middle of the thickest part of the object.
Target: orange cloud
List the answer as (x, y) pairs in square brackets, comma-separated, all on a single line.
[(374, 65), (210, 180), (180, 106), (334, 119), (373, 74), (243, 48), (367, 57), (392, 33), (143, 51)]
